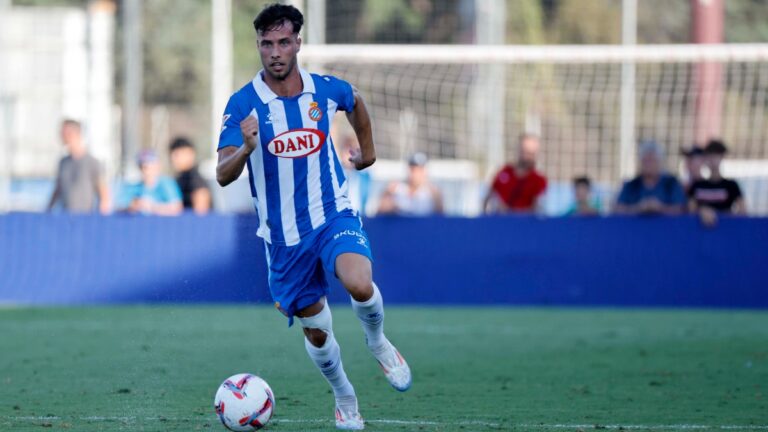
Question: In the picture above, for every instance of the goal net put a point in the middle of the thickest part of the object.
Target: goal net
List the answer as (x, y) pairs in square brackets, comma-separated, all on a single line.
[(589, 104)]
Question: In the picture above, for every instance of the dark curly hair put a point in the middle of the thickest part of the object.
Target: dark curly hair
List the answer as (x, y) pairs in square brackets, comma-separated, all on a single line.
[(275, 15)]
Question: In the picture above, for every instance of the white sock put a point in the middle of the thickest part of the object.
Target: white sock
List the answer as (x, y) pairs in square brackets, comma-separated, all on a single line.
[(371, 315), (328, 360)]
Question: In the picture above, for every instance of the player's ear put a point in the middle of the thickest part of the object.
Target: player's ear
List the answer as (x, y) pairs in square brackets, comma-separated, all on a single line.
[(298, 43)]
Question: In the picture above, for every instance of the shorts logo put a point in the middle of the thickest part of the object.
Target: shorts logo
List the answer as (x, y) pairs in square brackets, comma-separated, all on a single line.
[(315, 113), (296, 143), (359, 236)]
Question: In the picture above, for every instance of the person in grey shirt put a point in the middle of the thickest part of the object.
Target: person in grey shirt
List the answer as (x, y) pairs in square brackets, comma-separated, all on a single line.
[(80, 183)]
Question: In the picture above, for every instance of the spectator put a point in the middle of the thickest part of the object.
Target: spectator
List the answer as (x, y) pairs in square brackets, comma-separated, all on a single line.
[(155, 194), (518, 187), (715, 194), (417, 196), (359, 181), (584, 204), (653, 191), (80, 183), (195, 193), (694, 160)]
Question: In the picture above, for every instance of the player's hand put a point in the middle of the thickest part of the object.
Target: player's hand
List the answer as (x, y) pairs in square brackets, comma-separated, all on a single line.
[(651, 205), (708, 217), (250, 130), (356, 158), (140, 205)]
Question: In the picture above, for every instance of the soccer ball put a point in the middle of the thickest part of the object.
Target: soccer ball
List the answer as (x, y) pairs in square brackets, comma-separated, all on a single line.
[(244, 402)]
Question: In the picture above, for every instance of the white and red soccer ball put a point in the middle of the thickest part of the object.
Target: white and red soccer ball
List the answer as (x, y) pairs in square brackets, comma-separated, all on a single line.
[(244, 402)]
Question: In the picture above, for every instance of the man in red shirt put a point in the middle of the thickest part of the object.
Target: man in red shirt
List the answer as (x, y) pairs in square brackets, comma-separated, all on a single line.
[(517, 188)]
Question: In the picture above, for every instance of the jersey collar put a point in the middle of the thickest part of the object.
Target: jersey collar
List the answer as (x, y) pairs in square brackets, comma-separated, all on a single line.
[(267, 95)]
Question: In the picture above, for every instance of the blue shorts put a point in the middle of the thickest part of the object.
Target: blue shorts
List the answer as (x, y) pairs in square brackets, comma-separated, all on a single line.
[(297, 274)]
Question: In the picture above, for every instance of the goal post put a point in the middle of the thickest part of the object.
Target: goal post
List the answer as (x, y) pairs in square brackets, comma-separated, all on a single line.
[(424, 97)]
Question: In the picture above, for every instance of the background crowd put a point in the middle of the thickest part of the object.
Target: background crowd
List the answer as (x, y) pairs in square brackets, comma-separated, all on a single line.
[(517, 187)]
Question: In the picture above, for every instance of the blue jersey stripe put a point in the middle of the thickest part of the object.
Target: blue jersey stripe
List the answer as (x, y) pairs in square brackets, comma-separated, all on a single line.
[(339, 170), (326, 185), (250, 178), (300, 170), (273, 218)]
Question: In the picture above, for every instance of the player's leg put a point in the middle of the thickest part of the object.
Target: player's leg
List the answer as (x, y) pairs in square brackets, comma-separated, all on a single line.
[(354, 270), (317, 323)]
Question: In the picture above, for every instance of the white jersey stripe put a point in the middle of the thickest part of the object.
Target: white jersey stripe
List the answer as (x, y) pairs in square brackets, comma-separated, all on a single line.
[(314, 189), (285, 175)]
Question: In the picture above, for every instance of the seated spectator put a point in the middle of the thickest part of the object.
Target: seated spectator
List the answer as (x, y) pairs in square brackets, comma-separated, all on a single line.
[(584, 204), (715, 194), (155, 194), (80, 182), (694, 160), (417, 196), (518, 187), (653, 191), (195, 193)]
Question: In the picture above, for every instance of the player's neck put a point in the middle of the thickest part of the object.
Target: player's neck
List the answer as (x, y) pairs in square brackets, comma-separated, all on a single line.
[(288, 87)]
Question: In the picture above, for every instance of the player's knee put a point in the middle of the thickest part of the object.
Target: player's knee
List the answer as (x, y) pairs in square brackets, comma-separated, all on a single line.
[(318, 326), (359, 286), (316, 337)]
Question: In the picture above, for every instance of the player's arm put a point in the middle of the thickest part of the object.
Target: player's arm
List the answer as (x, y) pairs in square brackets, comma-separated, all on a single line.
[(54, 197), (232, 159), (201, 200), (739, 206), (361, 123), (437, 197), (105, 200)]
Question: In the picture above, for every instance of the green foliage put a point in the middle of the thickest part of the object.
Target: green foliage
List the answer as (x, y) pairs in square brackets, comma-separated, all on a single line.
[(177, 51)]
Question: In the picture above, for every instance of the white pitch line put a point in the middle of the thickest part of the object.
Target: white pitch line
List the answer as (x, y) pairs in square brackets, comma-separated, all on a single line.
[(420, 423)]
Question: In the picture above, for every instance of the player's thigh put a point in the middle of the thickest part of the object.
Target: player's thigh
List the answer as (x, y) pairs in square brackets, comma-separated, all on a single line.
[(356, 274)]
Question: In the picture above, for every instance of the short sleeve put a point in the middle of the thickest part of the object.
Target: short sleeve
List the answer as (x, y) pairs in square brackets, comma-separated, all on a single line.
[(626, 196), (676, 195), (196, 181), (735, 190), (171, 190), (97, 171), (342, 93), (230, 135)]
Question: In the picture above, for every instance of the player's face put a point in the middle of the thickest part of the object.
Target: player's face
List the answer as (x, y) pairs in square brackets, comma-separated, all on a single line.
[(650, 165), (582, 192), (278, 48), (70, 134), (183, 158), (695, 163), (714, 161), (529, 150)]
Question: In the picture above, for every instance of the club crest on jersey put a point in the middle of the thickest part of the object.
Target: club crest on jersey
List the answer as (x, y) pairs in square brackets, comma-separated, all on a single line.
[(315, 113), (296, 143)]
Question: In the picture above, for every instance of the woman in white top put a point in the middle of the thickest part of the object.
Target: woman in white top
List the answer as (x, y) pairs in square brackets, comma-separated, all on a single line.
[(417, 196)]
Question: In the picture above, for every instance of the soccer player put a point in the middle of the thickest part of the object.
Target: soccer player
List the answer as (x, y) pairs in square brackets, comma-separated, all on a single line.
[(278, 125)]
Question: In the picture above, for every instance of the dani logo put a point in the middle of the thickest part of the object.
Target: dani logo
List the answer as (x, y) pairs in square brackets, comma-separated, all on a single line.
[(296, 143)]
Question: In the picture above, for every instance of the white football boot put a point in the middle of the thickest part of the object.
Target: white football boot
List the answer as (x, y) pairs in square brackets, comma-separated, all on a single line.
[(394, 366), (347, 416)]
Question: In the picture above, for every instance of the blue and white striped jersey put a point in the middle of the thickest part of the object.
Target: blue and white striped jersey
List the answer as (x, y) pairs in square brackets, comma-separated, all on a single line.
[(297, 181)]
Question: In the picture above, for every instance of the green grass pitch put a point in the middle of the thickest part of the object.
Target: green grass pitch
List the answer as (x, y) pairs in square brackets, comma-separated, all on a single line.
[(475, 369)]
